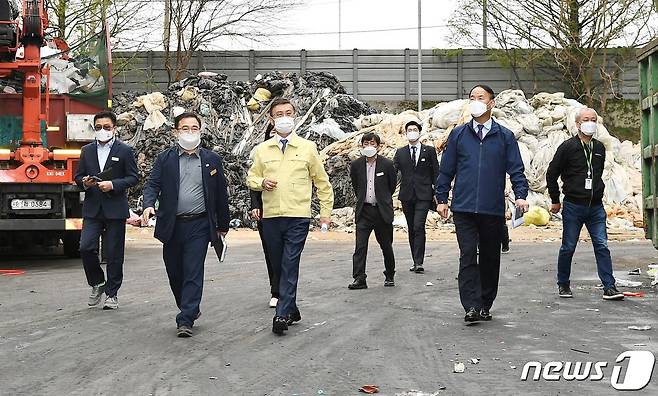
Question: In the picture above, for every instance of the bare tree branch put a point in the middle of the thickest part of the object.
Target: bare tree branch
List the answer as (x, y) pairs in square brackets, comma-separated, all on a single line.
[(568, 38)]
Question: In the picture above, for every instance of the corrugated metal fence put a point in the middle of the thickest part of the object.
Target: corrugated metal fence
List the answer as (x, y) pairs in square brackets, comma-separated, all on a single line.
[(370, 75)]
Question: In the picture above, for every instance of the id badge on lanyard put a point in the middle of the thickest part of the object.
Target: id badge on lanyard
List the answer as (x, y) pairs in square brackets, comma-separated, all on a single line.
[(588, 184)]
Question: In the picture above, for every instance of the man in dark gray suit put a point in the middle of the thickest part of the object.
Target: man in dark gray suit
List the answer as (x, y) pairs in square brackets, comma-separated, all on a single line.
[(374, 180)]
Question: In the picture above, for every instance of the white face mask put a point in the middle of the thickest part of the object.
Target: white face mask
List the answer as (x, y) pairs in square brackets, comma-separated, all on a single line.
[(412, 136), (189, 141), (477, 108), (369, 151), (588, 128), (284, 125), (103, 135)]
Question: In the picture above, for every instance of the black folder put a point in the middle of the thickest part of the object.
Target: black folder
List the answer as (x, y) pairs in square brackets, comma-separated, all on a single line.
[(220, 248)]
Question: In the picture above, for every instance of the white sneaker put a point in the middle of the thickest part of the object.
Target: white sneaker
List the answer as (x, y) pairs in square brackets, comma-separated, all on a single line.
[(96, 294), (111, 303), (273, 302)]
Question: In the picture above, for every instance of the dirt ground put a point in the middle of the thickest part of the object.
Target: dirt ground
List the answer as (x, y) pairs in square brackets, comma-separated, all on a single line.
[(404, 338)]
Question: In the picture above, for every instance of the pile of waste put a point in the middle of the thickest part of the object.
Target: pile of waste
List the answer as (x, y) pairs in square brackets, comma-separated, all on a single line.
[(234, 116), (75, 76), (540, 125)]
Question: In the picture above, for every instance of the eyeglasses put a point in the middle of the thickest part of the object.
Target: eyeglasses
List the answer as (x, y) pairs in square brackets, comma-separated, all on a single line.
[(106, 127), (188, 129)]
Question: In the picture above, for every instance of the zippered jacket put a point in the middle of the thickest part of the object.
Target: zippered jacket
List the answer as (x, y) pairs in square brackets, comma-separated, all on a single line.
[(571, 165), (478, 169)]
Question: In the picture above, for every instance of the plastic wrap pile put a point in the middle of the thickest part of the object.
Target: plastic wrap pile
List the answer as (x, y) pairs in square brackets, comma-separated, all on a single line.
[(234, 115), (540, 125), (234, 120)]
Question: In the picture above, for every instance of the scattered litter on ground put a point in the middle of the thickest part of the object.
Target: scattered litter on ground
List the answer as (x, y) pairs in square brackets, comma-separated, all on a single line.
[(459, 367), (420, 393), (474, 360), (627, 283), (370, 389), (636, 271), (12, 272), (429, 284), (640, 328), (579, 350), (634, 294)]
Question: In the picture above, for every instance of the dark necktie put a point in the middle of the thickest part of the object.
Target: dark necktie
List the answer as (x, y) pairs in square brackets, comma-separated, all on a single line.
[(413, 154), (480, 128), (283, 145)]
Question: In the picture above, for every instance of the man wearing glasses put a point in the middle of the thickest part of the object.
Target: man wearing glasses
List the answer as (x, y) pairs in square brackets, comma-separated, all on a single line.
[(189, 184), (106, 170)]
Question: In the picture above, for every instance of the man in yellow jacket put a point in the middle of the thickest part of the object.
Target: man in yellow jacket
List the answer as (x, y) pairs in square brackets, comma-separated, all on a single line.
[(285, 168)]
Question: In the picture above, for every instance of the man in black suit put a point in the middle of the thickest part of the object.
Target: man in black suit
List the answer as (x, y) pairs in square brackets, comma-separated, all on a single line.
[(256, 198), (105, 208), (419, 168), (188, 182), (374, 180)]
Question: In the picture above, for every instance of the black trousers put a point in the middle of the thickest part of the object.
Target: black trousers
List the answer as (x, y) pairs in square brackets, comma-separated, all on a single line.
[(274, 276), (370, 220), (416, 214), (478, 281), (114, 239), (504, 236)]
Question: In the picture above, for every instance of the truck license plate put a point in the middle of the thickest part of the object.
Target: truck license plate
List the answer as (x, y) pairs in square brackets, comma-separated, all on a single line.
[(22, 204)]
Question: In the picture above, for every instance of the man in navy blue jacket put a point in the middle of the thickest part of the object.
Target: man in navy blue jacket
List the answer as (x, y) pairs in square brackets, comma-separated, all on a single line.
[(105, 208), (477, 157), (189, 184)]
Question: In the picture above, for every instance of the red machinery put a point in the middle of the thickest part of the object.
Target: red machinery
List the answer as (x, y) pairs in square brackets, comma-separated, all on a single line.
[(39, 201)]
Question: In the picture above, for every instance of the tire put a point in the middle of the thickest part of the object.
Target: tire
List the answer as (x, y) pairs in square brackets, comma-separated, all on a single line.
[(71, 241)]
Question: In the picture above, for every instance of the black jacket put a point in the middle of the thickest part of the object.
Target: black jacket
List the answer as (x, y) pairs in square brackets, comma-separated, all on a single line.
[(570, 164), (164, 183), (112, 204), (417, 180), (256, 197), (385, 182)]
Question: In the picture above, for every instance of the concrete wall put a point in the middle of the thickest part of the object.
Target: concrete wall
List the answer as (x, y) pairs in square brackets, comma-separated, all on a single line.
[(370, 75)]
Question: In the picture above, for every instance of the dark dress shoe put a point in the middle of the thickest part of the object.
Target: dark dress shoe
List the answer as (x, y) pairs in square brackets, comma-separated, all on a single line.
[(485, 314), (279, 325), (472, 316), (413, 269), (419, 269), (184, 331), (294, 317), (389, 282), (358, 284), (564, 291)]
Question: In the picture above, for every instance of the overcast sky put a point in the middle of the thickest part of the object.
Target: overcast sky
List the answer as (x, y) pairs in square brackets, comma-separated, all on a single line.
[(321, 16)]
